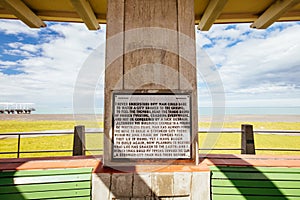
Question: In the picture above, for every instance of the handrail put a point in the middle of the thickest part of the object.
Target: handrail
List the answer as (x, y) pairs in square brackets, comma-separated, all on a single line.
[(49, 133), (40, 151), (276, 149), (210, 131), (277, 131), (100, 130), (44, 133), (283, 132), (214, 149)]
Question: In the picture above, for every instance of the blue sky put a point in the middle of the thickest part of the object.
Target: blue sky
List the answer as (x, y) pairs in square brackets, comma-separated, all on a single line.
[(256, 67)]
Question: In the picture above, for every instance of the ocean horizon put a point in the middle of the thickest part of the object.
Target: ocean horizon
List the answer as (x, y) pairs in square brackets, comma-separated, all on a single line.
[(203, 111)]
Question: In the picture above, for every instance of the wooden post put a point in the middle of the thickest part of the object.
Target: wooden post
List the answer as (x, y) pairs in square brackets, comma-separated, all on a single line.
[(19, 143), (79, 141), (247, 139)]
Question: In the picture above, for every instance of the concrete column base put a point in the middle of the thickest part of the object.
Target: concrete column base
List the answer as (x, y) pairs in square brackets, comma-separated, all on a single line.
[(176, 182)]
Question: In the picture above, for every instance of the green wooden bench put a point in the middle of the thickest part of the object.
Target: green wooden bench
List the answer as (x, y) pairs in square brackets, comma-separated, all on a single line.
[(255, 183), (59, 184)]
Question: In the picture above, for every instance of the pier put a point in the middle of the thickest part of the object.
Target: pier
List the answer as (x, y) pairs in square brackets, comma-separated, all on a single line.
[(16, 108)]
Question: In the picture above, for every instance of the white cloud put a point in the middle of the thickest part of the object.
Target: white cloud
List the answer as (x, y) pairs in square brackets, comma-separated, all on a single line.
[(15, 45), (278, 88), (30, 48), (264, 63), (17, 52), (255, 66), (50, 67), (7, 63), (15, 27)]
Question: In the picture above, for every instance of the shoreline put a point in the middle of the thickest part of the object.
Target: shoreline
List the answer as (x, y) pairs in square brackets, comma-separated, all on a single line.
[(99, 117)]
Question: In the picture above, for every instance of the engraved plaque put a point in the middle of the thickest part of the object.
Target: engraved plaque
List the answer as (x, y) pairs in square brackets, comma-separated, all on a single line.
[(151, 126)]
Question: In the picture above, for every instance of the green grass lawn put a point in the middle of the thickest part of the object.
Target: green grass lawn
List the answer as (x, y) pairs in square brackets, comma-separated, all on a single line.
[(28, 126), (64, 142), (259, 125), (95, 141), (261, 141)]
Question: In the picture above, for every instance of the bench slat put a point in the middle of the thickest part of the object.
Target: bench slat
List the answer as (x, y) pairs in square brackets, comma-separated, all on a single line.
[(44, 187), (45, 172), (254, 183), (47, 194), (240, 197), (44, 179), (77, 198), (256, 169), (256, 191), (256, 176)]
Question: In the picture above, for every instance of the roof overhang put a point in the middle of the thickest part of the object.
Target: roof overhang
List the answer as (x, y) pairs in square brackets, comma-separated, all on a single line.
[(207, 12)]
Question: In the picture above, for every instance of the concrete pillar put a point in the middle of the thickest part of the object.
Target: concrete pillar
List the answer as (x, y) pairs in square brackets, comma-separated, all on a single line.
[(150, 48)]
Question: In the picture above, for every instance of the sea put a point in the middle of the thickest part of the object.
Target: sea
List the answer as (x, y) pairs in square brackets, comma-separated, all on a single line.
[(203, 111), (251, 110)]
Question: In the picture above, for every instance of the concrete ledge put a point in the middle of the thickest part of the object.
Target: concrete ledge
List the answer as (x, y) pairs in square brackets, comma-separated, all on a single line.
[(151, 168), (49, 162), (152, 182), (250, 160), (96, 163)]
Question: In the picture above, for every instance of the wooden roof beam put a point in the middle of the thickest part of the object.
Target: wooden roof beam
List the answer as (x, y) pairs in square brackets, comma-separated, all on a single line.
[(23, 12), (85, 11), (273, 13), (211, 13)]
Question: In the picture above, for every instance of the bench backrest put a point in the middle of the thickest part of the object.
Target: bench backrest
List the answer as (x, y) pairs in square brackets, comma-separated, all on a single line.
[(46, 184), (260, 183)]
